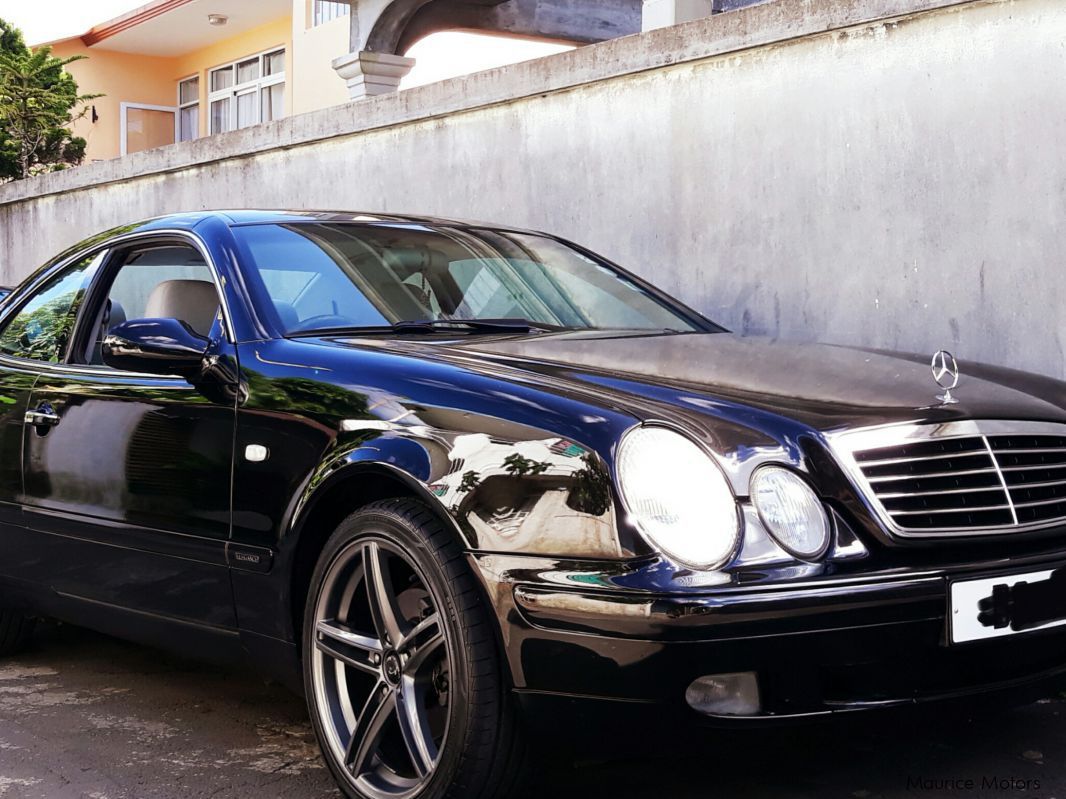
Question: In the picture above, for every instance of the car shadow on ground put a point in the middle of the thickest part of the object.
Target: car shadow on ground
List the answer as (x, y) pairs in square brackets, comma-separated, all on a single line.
[(85, 715)]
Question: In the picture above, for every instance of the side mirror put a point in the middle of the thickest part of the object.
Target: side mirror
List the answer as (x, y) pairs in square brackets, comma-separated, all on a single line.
[(156, 346)]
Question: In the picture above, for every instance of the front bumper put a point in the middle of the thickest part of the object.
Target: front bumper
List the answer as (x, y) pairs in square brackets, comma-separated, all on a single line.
[(818, 648)]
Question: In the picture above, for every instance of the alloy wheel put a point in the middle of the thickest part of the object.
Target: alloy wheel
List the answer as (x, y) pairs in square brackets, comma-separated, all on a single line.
[(380, 669)]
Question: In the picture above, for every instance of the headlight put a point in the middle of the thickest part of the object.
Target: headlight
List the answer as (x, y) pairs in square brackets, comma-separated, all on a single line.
[(678, 497), (790, 511)]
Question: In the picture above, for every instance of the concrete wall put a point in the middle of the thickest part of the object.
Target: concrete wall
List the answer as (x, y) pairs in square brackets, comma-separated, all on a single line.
[(794, 169)]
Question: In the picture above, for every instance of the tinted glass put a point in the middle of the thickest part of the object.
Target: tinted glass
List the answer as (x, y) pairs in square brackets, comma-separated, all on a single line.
[(349, 275), (42, 328), (145, 270), (170, 281)]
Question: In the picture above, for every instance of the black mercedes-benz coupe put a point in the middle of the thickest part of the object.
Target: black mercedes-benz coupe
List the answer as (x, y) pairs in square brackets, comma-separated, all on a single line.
[(452, 480)]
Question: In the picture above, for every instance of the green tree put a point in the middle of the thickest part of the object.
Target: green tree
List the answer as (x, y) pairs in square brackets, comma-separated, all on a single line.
[(39, 101), (11, 40)]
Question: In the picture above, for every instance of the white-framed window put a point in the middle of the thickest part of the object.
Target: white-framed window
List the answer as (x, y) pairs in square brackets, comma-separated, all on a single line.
[(246, 92), (189, 108), (323, 11)]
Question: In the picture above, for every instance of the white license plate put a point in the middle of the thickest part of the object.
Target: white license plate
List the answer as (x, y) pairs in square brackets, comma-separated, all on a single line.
[(966, 596)]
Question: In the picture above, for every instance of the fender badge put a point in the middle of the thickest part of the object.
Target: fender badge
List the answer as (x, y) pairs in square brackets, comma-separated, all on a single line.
[(946, 375)]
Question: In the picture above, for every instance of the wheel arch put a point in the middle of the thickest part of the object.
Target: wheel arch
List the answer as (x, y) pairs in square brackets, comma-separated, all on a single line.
[(345, 491)]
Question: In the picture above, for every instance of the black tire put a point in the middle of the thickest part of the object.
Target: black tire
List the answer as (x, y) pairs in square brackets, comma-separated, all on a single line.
[(480, 752), (15, 632)]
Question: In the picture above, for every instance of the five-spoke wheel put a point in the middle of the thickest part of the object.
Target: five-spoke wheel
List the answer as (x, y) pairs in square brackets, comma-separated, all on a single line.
[(404, 677), (381, 668)]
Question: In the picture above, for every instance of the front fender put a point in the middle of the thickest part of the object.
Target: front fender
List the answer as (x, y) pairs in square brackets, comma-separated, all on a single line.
[(532, 495), (403, 459)]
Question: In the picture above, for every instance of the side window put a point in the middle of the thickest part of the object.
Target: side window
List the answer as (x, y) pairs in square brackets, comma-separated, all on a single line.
[(158, 282), (41, 329)]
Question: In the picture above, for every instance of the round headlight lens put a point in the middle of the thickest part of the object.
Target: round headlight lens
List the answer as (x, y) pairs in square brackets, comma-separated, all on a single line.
[(678, 497), (791, 511)]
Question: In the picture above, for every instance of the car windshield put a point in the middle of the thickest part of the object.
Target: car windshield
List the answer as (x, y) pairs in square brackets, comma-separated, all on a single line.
[(339, 276)]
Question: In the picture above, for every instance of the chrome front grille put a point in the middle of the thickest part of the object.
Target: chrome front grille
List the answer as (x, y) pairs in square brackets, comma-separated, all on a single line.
[(1034, 471), (963, 478)]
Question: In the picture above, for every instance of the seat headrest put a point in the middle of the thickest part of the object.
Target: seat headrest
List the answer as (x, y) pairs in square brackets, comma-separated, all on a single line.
[(194, 302), (411, 260)]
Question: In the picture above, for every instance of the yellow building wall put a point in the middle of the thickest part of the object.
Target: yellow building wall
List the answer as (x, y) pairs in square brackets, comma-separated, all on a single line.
[(121, 78), (314, 83), (310, 82), (270, 36)]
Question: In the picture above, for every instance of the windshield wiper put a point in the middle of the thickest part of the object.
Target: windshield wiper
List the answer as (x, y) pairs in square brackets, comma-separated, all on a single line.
[(479, 325), (428, 326)]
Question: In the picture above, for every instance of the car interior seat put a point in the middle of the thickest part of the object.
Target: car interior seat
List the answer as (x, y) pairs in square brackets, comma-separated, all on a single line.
[(194, 302)]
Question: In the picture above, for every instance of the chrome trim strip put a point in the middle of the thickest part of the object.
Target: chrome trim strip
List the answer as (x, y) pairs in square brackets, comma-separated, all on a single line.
[(1002, 480), (978, 490), (1027, 485), (1059, 450), (934, 511), (844, 444), (1033, 466), (890, 435), (1038, 503), (261, 359), (104, 372), (896, 479), (973, 453)]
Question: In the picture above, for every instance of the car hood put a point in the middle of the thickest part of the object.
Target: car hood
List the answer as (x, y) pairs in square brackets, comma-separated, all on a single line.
[(823, 386)]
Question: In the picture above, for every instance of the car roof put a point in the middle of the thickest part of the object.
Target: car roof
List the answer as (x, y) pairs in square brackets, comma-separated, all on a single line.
[(252, 216)]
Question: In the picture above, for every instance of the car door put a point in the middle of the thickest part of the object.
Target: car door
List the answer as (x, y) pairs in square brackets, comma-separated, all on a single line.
[(127, 476), (32, 337)]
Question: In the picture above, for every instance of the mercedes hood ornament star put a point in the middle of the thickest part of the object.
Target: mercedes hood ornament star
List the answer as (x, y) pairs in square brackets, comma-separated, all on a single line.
[(946, 375)]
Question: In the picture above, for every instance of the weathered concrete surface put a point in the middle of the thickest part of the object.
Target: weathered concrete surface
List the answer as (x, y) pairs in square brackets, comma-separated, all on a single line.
[(86, 716), (83, 716), (792, 168), (568, 20)]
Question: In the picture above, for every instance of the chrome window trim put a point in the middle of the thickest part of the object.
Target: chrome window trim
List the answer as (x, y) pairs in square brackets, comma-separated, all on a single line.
[(78, 370), (844, 445), (65, 368)]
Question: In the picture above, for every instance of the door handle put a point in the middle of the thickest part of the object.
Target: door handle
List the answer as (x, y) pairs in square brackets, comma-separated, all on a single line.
[(44, 415)]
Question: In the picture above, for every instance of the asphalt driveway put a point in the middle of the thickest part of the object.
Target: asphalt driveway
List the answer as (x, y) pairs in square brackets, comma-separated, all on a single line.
[(83, 715)]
